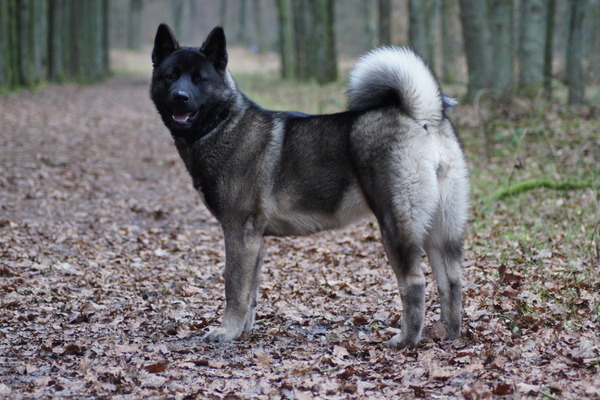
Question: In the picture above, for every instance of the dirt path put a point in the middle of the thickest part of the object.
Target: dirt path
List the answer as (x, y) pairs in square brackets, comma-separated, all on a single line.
[(110, 272)]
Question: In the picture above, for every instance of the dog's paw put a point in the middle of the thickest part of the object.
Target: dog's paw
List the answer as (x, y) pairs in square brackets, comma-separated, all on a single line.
[(400, 342), (221, 335)]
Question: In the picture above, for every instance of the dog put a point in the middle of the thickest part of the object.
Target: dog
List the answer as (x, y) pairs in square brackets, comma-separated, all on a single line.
[(393, 154)]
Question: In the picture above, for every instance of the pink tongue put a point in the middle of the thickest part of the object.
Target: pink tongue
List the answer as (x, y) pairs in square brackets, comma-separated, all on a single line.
[(181, 117)]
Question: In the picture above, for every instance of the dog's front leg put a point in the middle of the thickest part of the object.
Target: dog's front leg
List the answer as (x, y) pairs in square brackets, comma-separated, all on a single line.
[(243, 259)]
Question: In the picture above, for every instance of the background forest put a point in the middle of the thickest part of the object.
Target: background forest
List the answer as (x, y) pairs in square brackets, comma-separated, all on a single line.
[(494, 46), (111, 269)]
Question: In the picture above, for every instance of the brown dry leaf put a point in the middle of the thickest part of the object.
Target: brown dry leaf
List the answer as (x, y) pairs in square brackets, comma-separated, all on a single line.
[(157, 367)]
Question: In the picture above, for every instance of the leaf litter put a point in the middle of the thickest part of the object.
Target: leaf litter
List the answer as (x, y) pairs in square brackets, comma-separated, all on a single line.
[(111, 272)]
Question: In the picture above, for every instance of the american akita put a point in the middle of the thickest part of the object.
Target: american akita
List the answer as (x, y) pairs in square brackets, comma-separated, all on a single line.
[(393, 154)]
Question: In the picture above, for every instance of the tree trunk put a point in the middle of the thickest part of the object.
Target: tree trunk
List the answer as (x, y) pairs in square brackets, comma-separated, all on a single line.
[(575, 53), (24, 33), (39, 45), (286, 39), (302, 68), (323, 42), (548, 49), (331, 64), (448, 43), (58, 31), (365, 11), (531, 46), (9, 50), (592, 40), (477, 49), (501, 28), (385, 22), (417, 26), (52, 39)]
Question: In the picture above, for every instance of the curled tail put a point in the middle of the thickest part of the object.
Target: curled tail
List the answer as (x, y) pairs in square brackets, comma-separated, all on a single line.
[(397, 76)]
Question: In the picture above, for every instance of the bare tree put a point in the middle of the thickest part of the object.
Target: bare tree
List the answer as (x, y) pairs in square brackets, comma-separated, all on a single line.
[(52, 39), (449, 9), (307, 39), (300, 21), (549, 48), (531, 46), (286, 39), (421, 28), (385, 21), (575, 52), (323, 41), (501, 28), (477, 47), (365, 7)]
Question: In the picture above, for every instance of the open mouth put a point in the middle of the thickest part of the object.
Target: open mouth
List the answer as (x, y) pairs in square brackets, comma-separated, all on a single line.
[(184, 117)]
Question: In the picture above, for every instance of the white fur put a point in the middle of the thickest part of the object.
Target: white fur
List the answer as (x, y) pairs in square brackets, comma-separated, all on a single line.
[(400, 69)]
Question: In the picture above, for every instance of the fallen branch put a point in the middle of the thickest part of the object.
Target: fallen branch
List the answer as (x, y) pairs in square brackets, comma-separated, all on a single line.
[(540, 183)]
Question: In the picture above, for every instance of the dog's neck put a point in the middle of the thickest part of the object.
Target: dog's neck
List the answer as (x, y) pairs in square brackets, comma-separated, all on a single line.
[(211, 125)]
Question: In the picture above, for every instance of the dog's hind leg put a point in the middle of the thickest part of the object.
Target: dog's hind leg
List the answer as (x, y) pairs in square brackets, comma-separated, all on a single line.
[(404, 200), (444, 249), (243, 259), (445, 256), (405, 260)]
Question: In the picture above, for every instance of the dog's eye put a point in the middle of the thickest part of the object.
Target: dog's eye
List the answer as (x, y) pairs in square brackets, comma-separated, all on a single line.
[(171, 77), (198, 79)]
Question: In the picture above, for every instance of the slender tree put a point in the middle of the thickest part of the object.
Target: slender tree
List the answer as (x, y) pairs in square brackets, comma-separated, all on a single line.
[(286, 39), (549, 48), (477, 48), (447, 38), (417, 26), (58, 51), (502, 57), (323, 41), (531, 46), (365, 7), (9, 50), (302, 39), (385, 21), (421, 28), (575, 52)]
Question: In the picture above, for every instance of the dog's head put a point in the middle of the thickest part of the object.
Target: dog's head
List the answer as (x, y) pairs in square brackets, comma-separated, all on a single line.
[(188, 83)]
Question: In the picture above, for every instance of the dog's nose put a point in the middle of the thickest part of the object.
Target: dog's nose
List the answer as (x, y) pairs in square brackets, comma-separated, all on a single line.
[(182, 96)]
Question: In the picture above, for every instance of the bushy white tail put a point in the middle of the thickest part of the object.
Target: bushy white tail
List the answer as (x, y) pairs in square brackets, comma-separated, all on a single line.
[(397, 76)]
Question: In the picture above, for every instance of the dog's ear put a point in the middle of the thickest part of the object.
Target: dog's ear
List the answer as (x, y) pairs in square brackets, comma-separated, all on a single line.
[(164, 44), (214, 48)]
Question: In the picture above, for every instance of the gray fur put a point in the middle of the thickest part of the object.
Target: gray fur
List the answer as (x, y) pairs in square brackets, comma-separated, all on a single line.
[(394, 156)]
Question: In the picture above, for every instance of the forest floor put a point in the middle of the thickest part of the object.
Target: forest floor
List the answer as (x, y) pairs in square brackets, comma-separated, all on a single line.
[(111, 268)]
